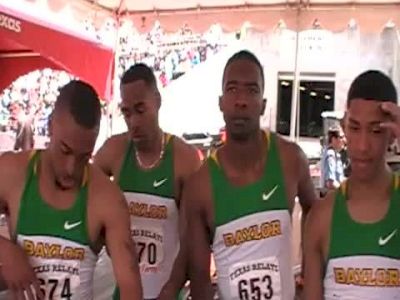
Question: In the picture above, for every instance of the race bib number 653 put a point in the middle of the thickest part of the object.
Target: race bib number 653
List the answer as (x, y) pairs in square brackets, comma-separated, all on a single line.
[(256, 280)]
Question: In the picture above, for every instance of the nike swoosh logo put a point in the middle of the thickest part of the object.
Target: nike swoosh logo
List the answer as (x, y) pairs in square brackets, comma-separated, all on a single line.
[(384, 241), (159, 183), (266, 197), (68, 226)]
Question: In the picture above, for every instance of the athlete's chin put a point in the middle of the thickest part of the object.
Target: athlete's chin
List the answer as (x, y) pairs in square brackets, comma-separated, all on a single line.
[(66, 183), (138, 139), (240, 134)]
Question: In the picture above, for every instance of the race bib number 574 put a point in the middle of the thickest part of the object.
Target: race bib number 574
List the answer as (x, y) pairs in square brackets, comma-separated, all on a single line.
[(256, 280)]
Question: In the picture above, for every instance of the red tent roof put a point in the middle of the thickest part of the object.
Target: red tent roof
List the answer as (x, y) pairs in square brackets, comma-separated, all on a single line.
[(26, 45)]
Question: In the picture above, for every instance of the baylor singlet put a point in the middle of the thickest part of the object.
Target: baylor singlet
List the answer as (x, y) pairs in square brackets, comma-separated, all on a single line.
[(56, 241), (154, 216), (364, 258), (252, 240)]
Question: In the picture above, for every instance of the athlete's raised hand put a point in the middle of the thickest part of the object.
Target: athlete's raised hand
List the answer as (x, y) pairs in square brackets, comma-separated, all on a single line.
[(393, 124), (17, 273)]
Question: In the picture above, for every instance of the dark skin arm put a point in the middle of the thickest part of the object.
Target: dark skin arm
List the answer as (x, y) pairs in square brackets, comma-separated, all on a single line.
[(316, 245), (116, 223), (191, 163), (179, 272), (104, 155), (306, 193), (197, 191), (16, 273)]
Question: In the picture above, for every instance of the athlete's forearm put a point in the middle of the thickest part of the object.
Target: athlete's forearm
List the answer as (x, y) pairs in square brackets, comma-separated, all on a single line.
[(3, 285), (200, 280), (304, 215), (130, 291), (201, 289), (4, 245), (177, 278)]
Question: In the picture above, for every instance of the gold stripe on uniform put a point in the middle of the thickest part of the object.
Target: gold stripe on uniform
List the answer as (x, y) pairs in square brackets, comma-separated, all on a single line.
[(267, 134), (85, 177)]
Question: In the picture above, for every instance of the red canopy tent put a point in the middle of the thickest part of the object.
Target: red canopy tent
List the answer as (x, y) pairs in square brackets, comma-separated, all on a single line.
[(26, 45)]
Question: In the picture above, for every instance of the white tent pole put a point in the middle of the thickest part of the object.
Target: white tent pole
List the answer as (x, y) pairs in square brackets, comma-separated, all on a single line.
[(115, 82), (295, 91)]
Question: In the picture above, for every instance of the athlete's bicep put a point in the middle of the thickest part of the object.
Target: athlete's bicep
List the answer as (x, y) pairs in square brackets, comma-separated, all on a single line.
[(305, 190), (102, 158), (8, 179), (3, 206), (121, 247), (188, 162), (314, 261)]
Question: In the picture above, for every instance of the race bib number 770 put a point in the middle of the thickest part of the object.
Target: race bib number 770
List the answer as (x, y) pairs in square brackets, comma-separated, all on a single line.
[(256, 280), (149, 245)]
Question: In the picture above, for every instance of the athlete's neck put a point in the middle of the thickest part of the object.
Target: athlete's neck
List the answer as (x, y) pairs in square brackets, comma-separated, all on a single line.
[(376, 188), (150, 154), (248, 153), (46, 171), (152, 146)]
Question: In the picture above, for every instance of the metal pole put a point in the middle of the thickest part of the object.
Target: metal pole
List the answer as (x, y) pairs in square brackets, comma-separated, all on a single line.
[(295, 90)]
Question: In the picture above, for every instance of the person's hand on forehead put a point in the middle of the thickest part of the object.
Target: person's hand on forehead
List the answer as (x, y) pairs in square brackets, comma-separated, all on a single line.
[(393, 122)]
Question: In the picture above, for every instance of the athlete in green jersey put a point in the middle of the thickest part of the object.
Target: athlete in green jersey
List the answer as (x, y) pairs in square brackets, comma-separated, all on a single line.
[(150, 167), (240, 202), (63, 210), (352, 236)]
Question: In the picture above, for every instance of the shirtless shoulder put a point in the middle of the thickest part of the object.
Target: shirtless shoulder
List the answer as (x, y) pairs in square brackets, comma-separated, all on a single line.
[(186, 158), (110, 156), (13, 175), (296, 173), (291, 154), (102, 191)]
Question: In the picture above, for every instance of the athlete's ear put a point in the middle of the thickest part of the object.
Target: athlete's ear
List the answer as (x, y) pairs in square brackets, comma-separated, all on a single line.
[(158, 99), (264, 105), (220, 99)]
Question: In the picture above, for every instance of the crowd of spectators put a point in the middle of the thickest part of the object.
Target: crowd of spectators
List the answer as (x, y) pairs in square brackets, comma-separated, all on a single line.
[(169, 54), (31, 97)]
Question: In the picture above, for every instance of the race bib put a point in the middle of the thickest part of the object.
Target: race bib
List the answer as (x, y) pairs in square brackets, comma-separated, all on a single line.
[(59, 279), (256, 280), (149, 245)]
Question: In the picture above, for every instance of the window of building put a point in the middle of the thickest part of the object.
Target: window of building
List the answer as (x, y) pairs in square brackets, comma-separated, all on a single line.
[(315, 98)]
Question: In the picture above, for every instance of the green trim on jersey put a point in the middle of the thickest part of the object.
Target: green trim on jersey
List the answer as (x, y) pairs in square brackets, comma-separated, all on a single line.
[(351, 238), (232, 202), (36, 217), (134, 179)]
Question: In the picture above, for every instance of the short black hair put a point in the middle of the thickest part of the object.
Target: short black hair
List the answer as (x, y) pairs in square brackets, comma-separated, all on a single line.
[(245, 55), (82, 102), (138, 72), (372, 85), (333, 133)]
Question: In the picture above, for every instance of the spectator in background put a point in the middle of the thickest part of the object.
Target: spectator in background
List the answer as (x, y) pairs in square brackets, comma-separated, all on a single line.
[(345, 158), (332, 164)]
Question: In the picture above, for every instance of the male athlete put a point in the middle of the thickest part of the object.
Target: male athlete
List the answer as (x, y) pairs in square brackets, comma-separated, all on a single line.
[(62, 210), (150, 167), (241, 200), (352, 237)]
